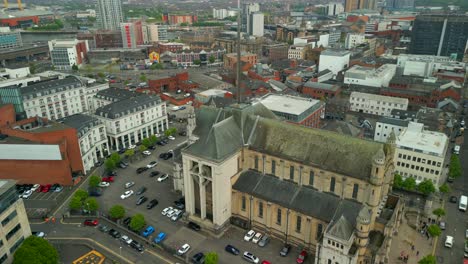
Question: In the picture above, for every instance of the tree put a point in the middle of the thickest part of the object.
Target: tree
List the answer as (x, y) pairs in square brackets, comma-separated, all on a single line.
[(35, 250), (171, 131), (212, 59), (434, 230), (211, 258), (126, 82), (146, 142), (197, 62), (110, 164), (142, 148), (129, 153), (429, 259), (184, 24), (117, 212), (157, 66), (426, 187), (101, 75), (32, 68), (444, 188), (75, 67), (75, 203), (455, 167), (439, 212), (143, 78), (116, 158), (397, 181), (94, 181), (409, 184), (81, 194), (91, 204), (153, 139), (137, 222)]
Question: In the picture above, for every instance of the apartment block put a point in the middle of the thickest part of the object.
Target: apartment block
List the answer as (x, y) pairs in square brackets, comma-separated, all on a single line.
[(376, 104)]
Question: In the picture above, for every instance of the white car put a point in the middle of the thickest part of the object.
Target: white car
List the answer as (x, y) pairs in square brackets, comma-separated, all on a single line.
[(152, 164), (257, 237), (164, 212), (171, 137), (251, 257), (132, 147), (26, 194), (170, 212), (249, 235), (126, 194), (126, 239), (104, 184), (163, 177), (146, 152), (35, 187), (177, 215), (466, 234), (129, 184), (183, 249)]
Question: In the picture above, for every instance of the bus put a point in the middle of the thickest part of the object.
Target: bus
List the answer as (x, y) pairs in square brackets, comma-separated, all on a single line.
[(463, 203)]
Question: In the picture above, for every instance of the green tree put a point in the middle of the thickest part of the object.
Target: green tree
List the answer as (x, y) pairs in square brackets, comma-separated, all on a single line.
[(110, 164), (142, 148), (143, 78), (117, 211), (91, 204), (397, 181), (434, 230), (126, 82), (153, 139), (212, 59), (409, 184), (146, 142), (429, 259), (157, 66), (211, 258), (94, 181), (170, 132), (197, 62), (75, 67), (455, 167), (32, 68), (137, 222), (439, 212), (81, 194), (129, 153), (75, 203), (116, 158), (101, 75), (35, 250), (184, 24), (444, 188), (426, 187)]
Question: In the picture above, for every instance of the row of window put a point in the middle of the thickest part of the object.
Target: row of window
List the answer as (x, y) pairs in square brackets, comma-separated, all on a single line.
[(420, 160), (378, 102), (10, 217), (13, 231), (335, 244), (418, 168)]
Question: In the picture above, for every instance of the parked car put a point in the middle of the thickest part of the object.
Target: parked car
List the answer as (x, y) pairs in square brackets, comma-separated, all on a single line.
[(154, 173), (152, 147), (103, 228), (148, 231), (141, 190), (453, 199), (98, 164), (179, 205), (193, 226), (56, 188), (442, 225), (93, 191), (249, 235), (90, 222), (132, 147), (264, 241), (448, 242), (141, 200), (198, 258), (177, 215), (152, 204), (257, 237), (123, 165), (302, 256), (172, 212), (129, 184), (146, 152), (139, 247), (152, 164), (166, 210), (104, 184), (26, 194), (114, 233), (107, 179), (126, 194), (127, 221), (183, 249), (127, 240), (163, 177), (266, 262), (160, 237), (250, 257), (171, 137), (111, 173), (285, 250), (232, 250), (39, 234), (35, 187), (141, 169)]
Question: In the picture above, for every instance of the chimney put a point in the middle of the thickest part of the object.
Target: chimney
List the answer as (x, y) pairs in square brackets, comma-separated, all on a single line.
[(20, 6)]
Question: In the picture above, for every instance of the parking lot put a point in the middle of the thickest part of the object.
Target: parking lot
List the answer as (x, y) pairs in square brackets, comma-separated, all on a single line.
[(40, 204)]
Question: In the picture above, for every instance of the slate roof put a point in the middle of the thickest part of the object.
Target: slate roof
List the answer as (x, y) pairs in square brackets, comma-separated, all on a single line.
[(116, 94), (394, 121), (49, 86), (127, 106), (323, 86), (341, 229), (81, 122), (308, 201)]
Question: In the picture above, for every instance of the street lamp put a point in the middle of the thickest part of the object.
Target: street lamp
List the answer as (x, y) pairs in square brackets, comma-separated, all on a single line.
[(287, 226), (87, 207), (250, 211)]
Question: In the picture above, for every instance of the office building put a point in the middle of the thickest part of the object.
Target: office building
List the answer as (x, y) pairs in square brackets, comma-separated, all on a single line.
[(421, 154), (367, 76), (354, 39), (10, 40), (334, 60), (399, 4), (256, 27), (68, 53), (246, 16), (334, 9), (109, 14), (132, 34), (130, 120), (376, 104), (297, 51), (386, 125), (174, 19), (15, 224), (351, 5), (222, 13), (428, 65), (441, 35)]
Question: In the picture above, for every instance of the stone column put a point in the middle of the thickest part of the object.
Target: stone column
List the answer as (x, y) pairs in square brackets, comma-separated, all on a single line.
[(135, 136), (202, 198), (101, 151), (157, 127), (151, 130), (117, 143)]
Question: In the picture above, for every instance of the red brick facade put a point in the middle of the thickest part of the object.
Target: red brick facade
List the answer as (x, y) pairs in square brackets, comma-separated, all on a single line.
[(318, 93), (7, 114), (180, 81), (254, 75), (313, 120)]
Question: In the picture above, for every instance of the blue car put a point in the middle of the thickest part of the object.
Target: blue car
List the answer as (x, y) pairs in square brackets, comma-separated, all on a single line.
[(148, 231), (161, 236)]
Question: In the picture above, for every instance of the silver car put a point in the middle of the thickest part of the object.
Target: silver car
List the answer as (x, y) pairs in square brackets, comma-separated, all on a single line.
[(264, 241)]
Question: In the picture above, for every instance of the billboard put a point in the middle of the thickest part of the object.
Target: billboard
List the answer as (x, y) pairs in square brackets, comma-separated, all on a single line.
[(154, 57)]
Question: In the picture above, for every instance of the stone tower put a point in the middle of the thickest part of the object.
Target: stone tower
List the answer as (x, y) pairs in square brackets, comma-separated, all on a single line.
[(191, 124), (376, 182), (363, 227)]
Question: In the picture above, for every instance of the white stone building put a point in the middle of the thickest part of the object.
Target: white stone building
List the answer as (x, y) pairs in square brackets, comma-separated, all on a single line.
[(421, 154), (111, 95), (297, 51), (130, 120), (376, 104), (370, 76), (92, 138), (427, 65), (334, 60), (385, 125), (256, 26), (67, 53), (354, 39), (109, 14), (334, 9)]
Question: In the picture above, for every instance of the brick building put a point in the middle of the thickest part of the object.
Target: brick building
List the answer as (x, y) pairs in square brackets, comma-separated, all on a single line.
[(263, 73), (231, 59), (162, 47), (321, 90), (179, 81), (172, 19), (108, 39)]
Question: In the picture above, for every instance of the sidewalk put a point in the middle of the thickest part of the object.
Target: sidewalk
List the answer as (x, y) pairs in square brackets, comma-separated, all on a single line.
[(401, 244)]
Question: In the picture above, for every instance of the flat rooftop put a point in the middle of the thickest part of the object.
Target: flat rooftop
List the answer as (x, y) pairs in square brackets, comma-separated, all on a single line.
[(288, 104), (429, 142), (24, 13), (336, 53), (6, 185)]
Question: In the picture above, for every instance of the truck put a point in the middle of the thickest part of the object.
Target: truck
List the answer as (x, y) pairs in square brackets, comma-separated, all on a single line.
[(463, 203)]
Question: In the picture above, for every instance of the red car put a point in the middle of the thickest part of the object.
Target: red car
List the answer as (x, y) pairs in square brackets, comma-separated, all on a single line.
[(108, 179), (300, 259), (266, 262), (89, 222), (46, 188)]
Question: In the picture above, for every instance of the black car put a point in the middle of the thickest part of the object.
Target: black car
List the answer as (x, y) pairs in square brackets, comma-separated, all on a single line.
[(94, 191), (182, 133), (127, 221), (141, 190), (198, 258), (193, 226), (122, 151), (232, 250), (152, 204), (161, 143), (141, 200), (99, 163), (141, 169), (453, 199), (114, 233), (285, 250), (103, 228), (134, 244), (152, 147), (179, 205), (111, 173), (154, 173)]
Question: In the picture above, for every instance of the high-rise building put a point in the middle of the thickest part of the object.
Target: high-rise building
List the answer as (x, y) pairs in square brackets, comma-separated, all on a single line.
[(334, 9), (441, 35), (9, 39), (67, 53), (109, 14), (399, 4), (132, 34), (246, 18), (256, 25), (351, 5)]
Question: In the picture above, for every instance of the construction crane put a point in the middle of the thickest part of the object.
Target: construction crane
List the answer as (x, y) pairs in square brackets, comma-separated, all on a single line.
[(20, 6)]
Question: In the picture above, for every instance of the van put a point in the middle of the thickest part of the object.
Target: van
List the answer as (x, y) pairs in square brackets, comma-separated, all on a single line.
[(449, 242), (463, 202), (456, 149), (175, 108)]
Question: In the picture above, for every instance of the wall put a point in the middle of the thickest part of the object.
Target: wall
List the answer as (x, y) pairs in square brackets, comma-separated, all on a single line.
[(7, 114)]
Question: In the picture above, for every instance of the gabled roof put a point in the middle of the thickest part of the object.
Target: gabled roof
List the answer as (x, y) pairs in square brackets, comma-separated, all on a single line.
[(341, 229)]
